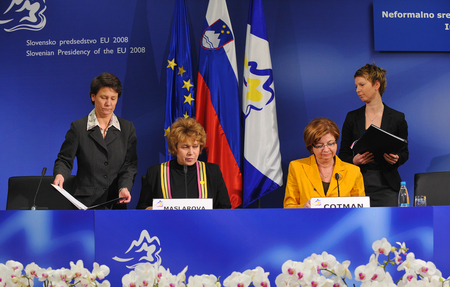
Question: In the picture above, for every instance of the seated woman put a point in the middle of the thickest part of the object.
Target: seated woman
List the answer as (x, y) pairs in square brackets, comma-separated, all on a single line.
[(186, 140), (317, 175)]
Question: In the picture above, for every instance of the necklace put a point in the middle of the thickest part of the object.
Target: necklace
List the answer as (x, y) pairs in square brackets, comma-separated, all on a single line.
[(325, 178), (373, 117)]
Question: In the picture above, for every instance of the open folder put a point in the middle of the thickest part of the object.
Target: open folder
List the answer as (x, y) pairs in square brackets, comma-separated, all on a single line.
[(80, 205), (378, 142)]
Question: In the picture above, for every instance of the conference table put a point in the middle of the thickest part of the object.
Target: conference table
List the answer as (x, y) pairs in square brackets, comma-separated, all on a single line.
[(218, 241)]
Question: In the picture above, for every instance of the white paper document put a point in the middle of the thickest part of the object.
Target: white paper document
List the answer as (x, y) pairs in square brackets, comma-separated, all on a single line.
[(80, 205), (72, 199)]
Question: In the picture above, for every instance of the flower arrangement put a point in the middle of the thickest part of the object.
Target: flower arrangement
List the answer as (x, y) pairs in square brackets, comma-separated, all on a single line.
[(153, 275), (318, 270), (324, 271), (13, 274)]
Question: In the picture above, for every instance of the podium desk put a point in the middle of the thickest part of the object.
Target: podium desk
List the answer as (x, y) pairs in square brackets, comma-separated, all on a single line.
[(218, 241)]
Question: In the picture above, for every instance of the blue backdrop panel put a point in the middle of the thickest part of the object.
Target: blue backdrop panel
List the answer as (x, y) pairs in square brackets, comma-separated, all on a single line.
[(316, 47), (441, 226), (222, 241), (48, 238), (411, 25)]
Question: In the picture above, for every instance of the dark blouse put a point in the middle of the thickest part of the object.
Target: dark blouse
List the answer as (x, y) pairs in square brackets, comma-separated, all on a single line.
[(184, 185)]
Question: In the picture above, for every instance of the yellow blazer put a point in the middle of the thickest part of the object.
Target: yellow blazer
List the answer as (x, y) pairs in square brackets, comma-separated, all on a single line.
[(304, 181)]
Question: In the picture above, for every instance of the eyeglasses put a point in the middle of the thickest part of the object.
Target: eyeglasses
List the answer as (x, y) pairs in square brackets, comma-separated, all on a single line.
[(321, 146)]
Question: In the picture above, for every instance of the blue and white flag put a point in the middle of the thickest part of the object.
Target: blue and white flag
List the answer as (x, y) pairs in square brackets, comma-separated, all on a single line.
[(262, 158), (180, 101)]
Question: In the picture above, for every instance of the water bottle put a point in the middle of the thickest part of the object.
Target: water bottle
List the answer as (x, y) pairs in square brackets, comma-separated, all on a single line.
[(403, 198)]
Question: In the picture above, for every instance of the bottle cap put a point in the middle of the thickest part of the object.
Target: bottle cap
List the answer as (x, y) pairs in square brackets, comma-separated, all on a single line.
[(403, 183)]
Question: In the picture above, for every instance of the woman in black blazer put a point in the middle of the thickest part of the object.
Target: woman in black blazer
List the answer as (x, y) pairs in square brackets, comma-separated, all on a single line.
[(105, 148), (381, 177)]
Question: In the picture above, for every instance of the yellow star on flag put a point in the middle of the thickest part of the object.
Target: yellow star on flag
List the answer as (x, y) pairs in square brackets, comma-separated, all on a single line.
[(187, 84), (181, 71), (172, 64), (188, 99), (186, 115), (166, 131)]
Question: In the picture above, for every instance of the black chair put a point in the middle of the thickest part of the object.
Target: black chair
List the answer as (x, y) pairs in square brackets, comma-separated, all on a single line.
[(434, 185), (22, 190)]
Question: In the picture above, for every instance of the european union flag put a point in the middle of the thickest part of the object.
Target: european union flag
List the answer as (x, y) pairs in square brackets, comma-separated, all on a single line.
[(180, 101)]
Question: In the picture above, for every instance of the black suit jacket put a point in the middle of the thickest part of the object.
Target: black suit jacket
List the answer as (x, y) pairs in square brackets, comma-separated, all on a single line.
[(104, 165), (393, 122)]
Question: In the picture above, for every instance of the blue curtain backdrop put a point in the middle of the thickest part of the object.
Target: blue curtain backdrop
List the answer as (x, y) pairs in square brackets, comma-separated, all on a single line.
[(316, 46)]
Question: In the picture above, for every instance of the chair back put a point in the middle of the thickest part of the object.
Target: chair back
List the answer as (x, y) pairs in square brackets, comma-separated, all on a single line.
[(434, 185), (22, 190)]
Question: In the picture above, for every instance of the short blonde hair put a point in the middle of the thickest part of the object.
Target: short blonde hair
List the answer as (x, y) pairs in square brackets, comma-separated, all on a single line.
[(372, 74), (316, 129), (183, 130)]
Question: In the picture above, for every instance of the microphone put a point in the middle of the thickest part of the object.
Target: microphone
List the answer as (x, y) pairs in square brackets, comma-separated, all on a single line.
[(34, 207), (338, 177), (185, 179)]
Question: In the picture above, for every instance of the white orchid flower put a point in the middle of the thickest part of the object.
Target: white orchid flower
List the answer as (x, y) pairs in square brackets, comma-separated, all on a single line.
[(410, 258), (62, 274), (202, 281), (381, 247), (364, 273), (259, 277), (343, 271), (325, 262), (100, 271), (129, 280), (78, 269), (425, 269), (237, 279)]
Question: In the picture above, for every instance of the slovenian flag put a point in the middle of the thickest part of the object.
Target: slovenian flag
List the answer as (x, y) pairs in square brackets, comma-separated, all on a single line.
[(180, 100), (217, 100), (262, 158)]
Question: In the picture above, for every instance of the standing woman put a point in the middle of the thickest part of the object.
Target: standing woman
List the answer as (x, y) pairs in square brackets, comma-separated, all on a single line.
[(381, 177), (105, 147)]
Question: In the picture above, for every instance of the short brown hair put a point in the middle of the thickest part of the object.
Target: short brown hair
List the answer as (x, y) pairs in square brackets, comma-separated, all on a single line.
[(316, 129), (372, 74), (105, 80), (184, 129)]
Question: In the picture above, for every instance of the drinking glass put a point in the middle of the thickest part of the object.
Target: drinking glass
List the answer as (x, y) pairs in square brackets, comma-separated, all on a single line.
[(420, 200)]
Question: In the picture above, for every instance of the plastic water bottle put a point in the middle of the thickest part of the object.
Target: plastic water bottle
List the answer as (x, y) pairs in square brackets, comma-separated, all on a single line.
[(403, 198)]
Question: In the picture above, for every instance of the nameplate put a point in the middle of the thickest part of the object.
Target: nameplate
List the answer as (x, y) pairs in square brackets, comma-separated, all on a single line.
[(182, 204), (340, 202)]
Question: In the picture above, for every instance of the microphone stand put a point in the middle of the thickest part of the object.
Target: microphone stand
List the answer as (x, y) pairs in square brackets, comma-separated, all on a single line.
[(337, 176), (185, 179), (44, 171)]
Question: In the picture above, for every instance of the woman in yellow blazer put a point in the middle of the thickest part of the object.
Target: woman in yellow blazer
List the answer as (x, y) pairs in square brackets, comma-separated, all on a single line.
[(317, 175)]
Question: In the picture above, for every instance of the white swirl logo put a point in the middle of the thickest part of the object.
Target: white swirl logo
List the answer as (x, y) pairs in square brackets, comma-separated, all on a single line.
[(145, 249), (24, 15)]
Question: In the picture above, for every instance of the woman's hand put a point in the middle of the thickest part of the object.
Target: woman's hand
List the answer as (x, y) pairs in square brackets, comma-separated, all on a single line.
[(125, 194), (364, 158), (391, 158), (59, 180), (307, 204)]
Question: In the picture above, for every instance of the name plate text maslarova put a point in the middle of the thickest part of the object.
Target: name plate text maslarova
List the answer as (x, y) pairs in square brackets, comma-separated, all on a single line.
[(340, 202), (182, 204)]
